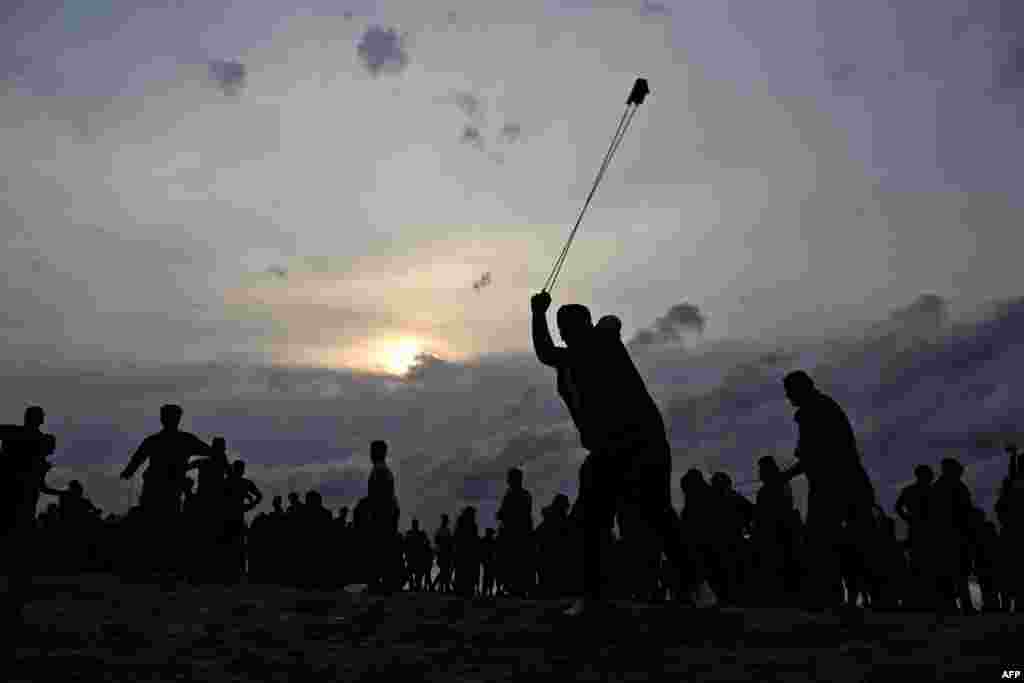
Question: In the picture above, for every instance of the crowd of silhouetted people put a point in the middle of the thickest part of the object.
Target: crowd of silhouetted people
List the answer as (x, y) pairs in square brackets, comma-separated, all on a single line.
[(719, 548), (748, 552)]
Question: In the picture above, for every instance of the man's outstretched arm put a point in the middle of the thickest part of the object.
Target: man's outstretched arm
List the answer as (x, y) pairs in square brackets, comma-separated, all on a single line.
[(137, 460), (543, 346)]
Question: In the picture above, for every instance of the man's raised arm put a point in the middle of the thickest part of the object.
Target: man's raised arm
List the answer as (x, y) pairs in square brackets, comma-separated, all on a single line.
[(543, 346)]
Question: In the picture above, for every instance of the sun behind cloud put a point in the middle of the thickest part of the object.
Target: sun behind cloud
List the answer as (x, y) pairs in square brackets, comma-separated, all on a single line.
[(396, 356)]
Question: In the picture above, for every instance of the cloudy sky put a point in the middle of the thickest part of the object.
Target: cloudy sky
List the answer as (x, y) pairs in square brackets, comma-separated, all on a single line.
[(270, 215)]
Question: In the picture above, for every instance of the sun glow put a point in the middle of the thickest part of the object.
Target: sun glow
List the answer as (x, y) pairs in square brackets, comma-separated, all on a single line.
[(397, 356)]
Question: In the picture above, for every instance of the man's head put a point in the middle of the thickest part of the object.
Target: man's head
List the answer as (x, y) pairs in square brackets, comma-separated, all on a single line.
[(951, 467), (415, 524), (293, 498), (767, 468), (170, 416), (313, 498), (515, 478), (75, 487), (343, 513), (799, 387), (277, 503), (34, 417), (238, 468), (574, 324), (721, 482), (692, 480), (924, 474), (378, 451), (219, 445), (444, 519)]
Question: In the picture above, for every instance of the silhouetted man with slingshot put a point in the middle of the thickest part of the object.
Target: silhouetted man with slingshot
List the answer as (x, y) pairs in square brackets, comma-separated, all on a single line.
[(618, 423)]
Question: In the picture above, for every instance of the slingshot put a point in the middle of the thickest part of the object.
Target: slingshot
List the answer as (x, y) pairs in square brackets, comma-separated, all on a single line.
[(636, 97)]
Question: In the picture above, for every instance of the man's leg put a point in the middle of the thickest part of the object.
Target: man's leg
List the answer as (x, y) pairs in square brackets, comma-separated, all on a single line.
[(647, 486), (824, 529)]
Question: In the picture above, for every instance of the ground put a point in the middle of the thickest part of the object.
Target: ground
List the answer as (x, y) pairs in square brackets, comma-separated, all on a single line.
[(93, 628)]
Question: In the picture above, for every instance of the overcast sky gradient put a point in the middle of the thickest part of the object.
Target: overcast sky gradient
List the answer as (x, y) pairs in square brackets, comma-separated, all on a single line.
[(265, 248)]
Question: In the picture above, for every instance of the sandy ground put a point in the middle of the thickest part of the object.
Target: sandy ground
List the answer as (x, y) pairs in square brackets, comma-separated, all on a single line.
[(93, 628)]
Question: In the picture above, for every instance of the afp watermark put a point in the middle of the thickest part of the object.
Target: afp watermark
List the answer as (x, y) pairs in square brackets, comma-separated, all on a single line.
[(1012, 675)]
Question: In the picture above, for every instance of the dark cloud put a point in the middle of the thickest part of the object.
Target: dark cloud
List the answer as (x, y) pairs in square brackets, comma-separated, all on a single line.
[(511, 132), (927, 310), (470, 104), (229, 76), (427, 366), (471, 135), (483, 281), (654, 8), (381, 51), (669, 328)]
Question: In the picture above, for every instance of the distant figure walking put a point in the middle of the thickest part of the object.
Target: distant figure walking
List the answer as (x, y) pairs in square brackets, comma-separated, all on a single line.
[(840, 499), (620, 425)]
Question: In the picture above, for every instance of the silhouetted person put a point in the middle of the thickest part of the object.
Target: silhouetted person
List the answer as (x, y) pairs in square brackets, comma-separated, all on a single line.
[(985, 559), (950, 510), (516, 519), (912, 507), (445, 556), (890, 581), (384, 514), (419, 556), (467, 553), (167, 454), (731, 517), (694, 527), (342, 535), (840, 496), (775, 535), (213, 470), (489, 556), (618, 423), (24, 464), (241, 496), (25, 449), (315, 527)]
